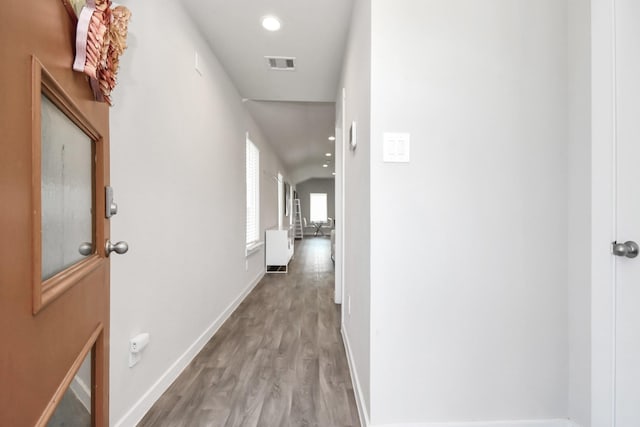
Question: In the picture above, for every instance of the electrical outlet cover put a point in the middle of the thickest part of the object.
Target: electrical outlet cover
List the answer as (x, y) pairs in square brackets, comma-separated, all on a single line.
[(134, 358)]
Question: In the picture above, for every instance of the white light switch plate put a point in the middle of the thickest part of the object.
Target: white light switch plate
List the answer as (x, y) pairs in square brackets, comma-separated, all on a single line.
[(396, 147)]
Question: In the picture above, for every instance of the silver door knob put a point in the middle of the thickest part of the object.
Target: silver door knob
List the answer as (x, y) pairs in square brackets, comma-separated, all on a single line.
[(86, 249), (627, 249), (119, 248)]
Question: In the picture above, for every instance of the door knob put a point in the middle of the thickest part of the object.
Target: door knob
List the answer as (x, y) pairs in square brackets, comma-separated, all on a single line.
[(119, 248), (86, 249), (627, 249)]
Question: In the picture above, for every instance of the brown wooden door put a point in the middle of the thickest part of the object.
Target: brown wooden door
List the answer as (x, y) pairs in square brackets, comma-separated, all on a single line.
[(54, 303)]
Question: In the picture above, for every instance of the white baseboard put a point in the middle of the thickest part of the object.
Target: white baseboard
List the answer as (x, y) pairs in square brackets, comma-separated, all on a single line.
[(82, 392), (357, 389), (511, 423), (133, 416)]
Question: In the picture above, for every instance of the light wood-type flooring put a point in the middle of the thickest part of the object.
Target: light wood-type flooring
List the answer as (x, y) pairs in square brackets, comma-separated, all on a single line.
[(278, 361)]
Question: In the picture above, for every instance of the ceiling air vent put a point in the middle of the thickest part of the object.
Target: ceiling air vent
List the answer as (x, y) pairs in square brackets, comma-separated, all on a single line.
[(281, 63)]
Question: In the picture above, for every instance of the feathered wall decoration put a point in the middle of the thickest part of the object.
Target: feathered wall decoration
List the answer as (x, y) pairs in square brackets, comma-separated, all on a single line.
[(101, 37)]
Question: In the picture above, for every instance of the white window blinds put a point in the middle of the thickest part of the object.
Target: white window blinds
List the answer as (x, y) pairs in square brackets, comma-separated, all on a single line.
[(253, 192)]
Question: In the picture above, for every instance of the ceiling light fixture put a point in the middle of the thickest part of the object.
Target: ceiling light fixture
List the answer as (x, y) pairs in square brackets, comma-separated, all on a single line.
[(271, 23), (332, 138), (333, 173), (325, 166), (328, 154)]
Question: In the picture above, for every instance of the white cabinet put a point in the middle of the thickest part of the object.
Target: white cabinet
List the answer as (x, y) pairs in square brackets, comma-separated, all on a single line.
[(278, 249)]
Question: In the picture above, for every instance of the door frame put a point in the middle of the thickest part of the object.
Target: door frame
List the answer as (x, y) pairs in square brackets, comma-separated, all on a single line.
[(339, 187), (603, 202)]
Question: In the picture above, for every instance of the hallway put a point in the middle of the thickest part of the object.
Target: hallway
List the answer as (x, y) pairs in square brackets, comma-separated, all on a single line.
[(277, 361)]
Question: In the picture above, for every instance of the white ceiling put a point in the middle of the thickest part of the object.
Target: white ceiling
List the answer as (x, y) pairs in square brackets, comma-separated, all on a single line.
[(299, 133), (314, 32)]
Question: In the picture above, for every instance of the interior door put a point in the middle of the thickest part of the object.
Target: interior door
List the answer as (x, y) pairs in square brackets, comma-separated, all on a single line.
[(54, 272), (627, 337)]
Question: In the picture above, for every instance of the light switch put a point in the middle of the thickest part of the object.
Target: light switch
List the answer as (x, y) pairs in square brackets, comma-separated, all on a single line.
[(396, 147)]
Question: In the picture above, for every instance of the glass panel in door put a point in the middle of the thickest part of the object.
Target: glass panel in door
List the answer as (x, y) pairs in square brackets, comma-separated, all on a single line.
[(67, 191)]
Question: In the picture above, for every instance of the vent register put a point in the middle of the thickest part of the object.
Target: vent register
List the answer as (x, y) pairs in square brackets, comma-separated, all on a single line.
[(281, 63)]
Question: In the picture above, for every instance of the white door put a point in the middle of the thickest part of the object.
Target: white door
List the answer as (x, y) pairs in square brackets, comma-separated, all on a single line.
[(627, 93)]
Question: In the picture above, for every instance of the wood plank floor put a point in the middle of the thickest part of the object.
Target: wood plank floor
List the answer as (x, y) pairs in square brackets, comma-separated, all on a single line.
[(277, 361)]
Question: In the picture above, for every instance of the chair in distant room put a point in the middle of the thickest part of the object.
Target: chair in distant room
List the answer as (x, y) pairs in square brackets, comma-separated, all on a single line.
[(329, 225), (318, 228)]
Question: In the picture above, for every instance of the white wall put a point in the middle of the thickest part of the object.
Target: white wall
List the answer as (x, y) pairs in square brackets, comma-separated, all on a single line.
[(177, 166), (469, 311), (357, 226), (579, 204)]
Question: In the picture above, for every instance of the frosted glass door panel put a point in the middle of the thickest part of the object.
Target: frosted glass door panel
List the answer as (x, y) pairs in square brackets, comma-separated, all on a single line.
[(67, 198)]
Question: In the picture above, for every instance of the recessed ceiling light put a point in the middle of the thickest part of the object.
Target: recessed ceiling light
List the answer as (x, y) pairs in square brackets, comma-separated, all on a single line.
[(328, 154), (332, 138), (325, 166), (271, 23), (333, 173)]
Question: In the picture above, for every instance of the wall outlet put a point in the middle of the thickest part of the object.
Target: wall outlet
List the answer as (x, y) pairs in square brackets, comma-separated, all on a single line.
[(136, 345), (134, 358)]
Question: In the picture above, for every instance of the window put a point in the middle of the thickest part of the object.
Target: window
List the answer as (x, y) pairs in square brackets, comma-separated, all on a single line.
[(318, 207), (253, 192)]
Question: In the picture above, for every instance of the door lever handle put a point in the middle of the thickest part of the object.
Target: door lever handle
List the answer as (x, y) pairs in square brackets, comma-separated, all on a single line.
[(627, 249), (119, 248)]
